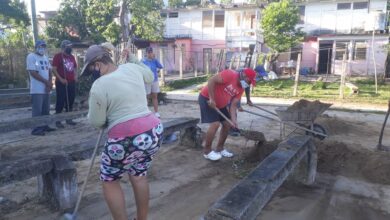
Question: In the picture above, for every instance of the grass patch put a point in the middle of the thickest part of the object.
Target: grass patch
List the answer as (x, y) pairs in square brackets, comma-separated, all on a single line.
[(283, 88), (182, 83)]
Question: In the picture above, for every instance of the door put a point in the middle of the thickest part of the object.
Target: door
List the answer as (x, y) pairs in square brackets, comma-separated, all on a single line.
[(325, 57)]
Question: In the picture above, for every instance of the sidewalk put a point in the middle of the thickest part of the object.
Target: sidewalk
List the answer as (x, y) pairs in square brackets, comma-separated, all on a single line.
[(187, 95)]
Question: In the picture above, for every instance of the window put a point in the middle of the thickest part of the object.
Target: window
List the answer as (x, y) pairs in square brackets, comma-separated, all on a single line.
[(343, 6), (360, 5), (341, 49), (253, 21), (360, 50), (163, 14), (219, 18), (301, 14), (173, 14), (207, 19)]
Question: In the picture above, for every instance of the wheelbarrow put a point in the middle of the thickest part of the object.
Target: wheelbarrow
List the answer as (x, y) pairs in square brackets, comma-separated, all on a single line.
[(297, 118)]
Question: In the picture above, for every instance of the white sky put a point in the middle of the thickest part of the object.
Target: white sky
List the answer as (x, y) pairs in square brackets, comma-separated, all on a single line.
[(53, 5), (43, 5)]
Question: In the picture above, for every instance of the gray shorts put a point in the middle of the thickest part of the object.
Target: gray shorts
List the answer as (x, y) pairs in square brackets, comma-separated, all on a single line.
[(153, 87), (209, 115)]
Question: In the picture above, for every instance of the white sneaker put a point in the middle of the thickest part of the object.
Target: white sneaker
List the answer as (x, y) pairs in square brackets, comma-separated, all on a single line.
[(226, 153), (157, 115), (213, 156)]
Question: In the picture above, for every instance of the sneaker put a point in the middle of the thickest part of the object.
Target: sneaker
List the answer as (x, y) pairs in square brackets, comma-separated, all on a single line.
[(59, 124), (48, 129), (225, 153), (157, 115), (70, 122), (213, 156)]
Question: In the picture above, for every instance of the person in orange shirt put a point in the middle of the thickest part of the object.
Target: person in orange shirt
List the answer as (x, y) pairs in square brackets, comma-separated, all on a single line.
[(224, 88)]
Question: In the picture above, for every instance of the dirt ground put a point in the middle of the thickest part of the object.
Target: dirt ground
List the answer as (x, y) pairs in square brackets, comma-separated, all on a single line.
[(352, 183)]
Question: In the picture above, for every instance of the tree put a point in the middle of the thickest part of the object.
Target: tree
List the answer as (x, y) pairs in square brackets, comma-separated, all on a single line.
[(146, 19), (279, 22), (192, 2), (175, 3), (85, 20), (14, 13), (93, 20)]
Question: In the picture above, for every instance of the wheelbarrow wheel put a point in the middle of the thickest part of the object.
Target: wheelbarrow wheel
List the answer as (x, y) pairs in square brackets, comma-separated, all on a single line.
[(317, 128)]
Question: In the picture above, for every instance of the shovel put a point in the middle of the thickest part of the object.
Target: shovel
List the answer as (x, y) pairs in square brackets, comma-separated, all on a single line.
[(290, 124), (251, 135)]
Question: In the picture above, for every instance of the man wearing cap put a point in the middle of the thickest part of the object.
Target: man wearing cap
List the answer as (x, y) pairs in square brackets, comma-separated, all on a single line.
[(152, 89), (39, 69), (224, 88), (64, 68)]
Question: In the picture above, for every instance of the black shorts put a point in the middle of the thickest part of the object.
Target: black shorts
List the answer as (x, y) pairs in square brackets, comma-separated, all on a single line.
[(209, 115)]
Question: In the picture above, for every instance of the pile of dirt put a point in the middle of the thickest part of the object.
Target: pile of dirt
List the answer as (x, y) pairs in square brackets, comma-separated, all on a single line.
[(337, 158), (308, 106), (261, 151)]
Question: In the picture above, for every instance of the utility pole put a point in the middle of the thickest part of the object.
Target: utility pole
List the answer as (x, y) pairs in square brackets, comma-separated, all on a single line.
[(34, 21)]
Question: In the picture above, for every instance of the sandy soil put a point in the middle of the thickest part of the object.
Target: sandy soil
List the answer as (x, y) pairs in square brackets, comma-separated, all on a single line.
[(353, 182)]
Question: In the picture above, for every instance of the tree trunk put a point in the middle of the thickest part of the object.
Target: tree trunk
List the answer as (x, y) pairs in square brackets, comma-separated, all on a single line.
[(123, 21)]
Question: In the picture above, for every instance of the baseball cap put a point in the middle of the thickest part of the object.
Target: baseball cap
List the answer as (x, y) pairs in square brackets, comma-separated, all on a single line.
[(251, 74), (93, 52), (149, 49), (65, 43), (39, 43)]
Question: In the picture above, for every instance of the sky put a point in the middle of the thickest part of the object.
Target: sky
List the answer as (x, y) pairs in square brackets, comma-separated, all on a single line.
[(53, 5), (43, 5)]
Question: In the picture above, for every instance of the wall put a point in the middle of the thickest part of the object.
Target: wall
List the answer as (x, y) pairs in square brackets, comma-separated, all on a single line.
[(324, 18), (309, 54)]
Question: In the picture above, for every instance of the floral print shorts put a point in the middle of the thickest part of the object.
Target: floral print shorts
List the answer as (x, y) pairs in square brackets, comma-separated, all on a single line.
[(132, 155)]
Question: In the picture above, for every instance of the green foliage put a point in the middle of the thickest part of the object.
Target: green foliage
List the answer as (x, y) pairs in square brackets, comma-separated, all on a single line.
[(146, 18), (192, 2), (14, 46), (175, 3), (182, 83), (282, 88), (318, 85), (14, 13), (85, 20), (226, 1), (278, 22)]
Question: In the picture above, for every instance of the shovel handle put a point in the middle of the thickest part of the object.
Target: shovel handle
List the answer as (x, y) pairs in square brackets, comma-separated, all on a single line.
[(263, 109), (224, 116)]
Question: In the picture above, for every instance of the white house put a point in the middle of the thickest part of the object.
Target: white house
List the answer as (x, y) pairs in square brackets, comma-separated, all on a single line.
[(201, 33), (335, 28)]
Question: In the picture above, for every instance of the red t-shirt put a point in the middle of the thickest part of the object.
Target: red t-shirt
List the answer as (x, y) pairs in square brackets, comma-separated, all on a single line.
[(226, 91), (65, 63)]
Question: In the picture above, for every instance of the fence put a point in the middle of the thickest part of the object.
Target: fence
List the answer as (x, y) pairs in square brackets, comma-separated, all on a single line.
[(181, 63)]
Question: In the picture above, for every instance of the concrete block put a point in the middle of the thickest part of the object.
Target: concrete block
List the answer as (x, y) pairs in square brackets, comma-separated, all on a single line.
[(191, 137), (246, 200), (59, 186)]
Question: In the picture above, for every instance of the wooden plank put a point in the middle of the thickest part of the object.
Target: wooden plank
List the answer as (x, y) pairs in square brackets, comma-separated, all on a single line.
[(39, 121)]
